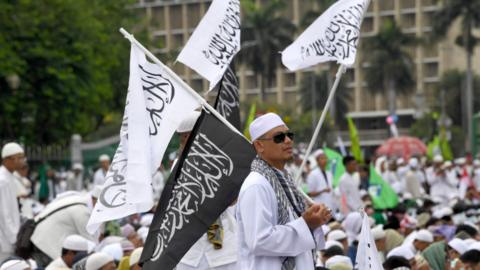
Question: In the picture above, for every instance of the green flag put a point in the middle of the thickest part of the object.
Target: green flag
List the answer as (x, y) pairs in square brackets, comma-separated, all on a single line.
[(445, 146), (383, 195), (43, 192), (355, 148), (433, 148), (335, 164), (251, 117)]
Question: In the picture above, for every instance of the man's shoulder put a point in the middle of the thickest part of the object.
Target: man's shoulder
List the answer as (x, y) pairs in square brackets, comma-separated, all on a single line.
[(255, 181)]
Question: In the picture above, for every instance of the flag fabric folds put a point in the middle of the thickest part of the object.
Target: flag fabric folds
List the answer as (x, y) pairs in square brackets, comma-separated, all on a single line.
[(367, 255), (335, 165), (215, 41), (355, 140), (228, 98), (155, 106), (206, 180), (333, 36), (383, 195)]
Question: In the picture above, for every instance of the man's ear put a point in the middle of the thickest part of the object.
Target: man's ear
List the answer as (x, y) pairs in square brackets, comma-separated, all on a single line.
[(258, 145)]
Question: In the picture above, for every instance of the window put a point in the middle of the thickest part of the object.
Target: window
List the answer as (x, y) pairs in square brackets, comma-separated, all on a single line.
[(158, 18), (193, 15), (387, 5), (176, 17)]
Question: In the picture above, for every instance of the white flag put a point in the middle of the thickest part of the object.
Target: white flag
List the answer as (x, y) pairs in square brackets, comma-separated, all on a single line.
[(215, 41), (332, 36), (156, 104), (367, 254)]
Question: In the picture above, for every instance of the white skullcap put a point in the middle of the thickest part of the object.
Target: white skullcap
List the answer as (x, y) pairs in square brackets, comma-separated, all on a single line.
[(413, 163), (146, 220), (96, 191), (336, 235), (378, 233), (188, 122), (401, 251), (135, 256), (318, 153), (471, 224), (115, 250), (332, 243), (15, 265), (143, 232), (75, 242), (103, 157), (97, 260), (474, 246), (11, 149), (458, 245), (425, 236), (468, 242), (460, 161), (400, 161), (263, 124), (339, 260), (438, 158), (77, 166)]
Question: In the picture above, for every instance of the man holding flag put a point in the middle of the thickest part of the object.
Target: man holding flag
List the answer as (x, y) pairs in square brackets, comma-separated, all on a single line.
[(276, 229)]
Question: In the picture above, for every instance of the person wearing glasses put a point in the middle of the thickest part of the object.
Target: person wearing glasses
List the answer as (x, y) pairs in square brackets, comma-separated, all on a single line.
[(276, 228), (13, 159)]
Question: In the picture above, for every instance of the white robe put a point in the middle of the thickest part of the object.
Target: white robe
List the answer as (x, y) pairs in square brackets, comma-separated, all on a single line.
[(316, 182), (99, 177), (9, 212), (58, 263), (263, 243), (202, 255), (50, 233), (350, 192)]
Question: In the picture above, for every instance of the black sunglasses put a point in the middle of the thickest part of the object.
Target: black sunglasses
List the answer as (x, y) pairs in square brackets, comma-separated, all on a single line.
[(280, 137)]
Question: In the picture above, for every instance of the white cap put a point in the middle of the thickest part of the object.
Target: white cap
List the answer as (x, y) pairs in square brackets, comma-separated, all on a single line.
[(438, 158), (11, 149), (97, 260), (378, 233), (77, 166), (15, 265), (188, 122), (146, 220), (115, 250), (401, 251), (458, 245), (413, 163), (263, 124), (318, 153), (474, 246), (339, 260), (336, 235), (332, 243), (103, 157), (460, 161), (75, 242), (468, 242), (96, 191), (135, 256), (143, 232), (425, 236), (400, 161)]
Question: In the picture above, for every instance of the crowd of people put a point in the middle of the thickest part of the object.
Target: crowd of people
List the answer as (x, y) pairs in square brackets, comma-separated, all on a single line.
[(433, 226)]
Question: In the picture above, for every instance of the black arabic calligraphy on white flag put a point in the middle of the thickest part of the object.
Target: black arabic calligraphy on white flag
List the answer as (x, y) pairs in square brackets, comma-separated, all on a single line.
[(206, 180), (333, 36)]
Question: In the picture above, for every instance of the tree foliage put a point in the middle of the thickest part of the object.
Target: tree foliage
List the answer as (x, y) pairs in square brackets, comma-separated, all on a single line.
[(63, 66)]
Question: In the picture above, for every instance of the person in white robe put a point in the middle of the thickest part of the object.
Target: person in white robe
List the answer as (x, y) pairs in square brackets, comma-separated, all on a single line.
[(350, 193), (15, 264), (72, 245), (443, 186), (13, 158), (71, 217), (219, 253), (99, 176), (320, 182), (276, 230), (75, 178)]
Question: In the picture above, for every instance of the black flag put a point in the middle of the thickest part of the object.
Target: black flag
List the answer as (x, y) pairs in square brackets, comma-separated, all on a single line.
[(228, 99), (205, 181)]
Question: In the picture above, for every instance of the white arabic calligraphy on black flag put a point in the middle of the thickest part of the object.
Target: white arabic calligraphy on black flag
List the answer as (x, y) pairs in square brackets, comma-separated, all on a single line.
[(367, 254), (207, 179), (228, 99), (156, 104), (215, 41), (333, 36)]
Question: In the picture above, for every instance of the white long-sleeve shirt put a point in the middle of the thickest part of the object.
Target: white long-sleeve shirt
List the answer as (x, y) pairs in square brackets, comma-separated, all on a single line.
[(99, 177), (9, 212), (263, 243), (350, 192), (316, 182)]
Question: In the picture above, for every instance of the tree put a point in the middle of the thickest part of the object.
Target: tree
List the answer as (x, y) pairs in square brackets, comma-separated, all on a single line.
[(443, 19), (63, 67), (314, 93), (264, 34), (390, 66)]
